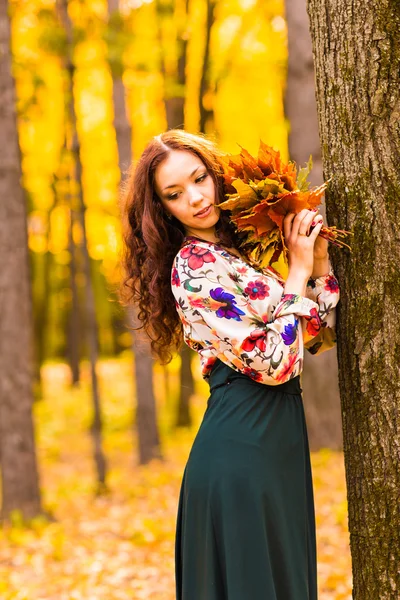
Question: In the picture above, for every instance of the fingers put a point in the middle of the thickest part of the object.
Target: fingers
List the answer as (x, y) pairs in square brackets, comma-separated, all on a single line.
[(317, 219), (287, 224), (316, 229), (302, 222)]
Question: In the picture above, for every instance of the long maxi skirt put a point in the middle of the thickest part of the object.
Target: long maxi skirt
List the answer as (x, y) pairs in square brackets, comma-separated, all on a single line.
[(246, 524)]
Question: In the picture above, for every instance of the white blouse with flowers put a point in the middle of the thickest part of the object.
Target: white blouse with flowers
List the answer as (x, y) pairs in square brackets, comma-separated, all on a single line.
[(231, 311)]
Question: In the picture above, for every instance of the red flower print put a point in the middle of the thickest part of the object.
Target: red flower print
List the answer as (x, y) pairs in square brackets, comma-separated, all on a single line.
[(253, 374), (257, 290), (313, 322), (242, 270), (175, 277), (196, 302), (287, 368), (331, 284), (197, 256), (256, 338), (208, 365)]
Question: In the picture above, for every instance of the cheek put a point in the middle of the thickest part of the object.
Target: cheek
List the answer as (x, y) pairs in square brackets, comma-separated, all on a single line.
[(211, 188)]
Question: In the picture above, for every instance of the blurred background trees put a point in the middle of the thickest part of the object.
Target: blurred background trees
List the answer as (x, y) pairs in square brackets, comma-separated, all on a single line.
[(95, 79)]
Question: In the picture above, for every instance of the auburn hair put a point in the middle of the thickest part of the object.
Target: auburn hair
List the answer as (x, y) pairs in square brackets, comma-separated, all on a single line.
[(151, 240)]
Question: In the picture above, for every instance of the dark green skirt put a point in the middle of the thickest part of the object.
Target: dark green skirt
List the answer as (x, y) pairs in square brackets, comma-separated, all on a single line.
[(246, 524)]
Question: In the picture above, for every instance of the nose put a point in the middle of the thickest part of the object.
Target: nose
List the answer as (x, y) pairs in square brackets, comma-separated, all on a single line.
[(195, 195)]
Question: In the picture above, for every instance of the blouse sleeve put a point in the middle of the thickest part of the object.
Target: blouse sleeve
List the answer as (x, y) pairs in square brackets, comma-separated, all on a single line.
[(242, 315), (325, 292)]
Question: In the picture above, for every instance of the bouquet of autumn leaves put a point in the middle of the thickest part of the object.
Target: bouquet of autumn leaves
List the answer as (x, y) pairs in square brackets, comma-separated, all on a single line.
[(260, 192)]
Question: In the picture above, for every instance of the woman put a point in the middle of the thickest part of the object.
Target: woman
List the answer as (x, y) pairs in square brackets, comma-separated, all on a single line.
[(245, 527)]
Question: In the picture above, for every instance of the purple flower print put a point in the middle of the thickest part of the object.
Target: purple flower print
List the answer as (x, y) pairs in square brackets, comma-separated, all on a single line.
[(229, 311), (290, 332)]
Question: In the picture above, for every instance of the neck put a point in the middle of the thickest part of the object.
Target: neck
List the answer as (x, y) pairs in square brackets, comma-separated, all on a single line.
[(207, 234)]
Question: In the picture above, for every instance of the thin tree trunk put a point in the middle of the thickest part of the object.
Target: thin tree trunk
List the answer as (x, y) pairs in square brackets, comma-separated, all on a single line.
[(207, 111), (146, 413), (174, 108), (320, 376), (357, 58), (91, 324), (175, 104), (186, 389), (19, 473), (40, 312), (74, 325)]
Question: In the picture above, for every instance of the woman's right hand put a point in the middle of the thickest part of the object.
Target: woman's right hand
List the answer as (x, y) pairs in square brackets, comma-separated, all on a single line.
[(301, 247)]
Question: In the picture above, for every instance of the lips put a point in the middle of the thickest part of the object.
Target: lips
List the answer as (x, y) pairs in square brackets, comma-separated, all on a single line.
[(201, 212)]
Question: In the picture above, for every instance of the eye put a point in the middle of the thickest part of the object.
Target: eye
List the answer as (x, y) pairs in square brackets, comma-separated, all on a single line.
[(201, 178), (173, 196)]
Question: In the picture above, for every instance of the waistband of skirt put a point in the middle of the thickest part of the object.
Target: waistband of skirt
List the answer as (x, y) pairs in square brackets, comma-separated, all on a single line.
[(221, 374)]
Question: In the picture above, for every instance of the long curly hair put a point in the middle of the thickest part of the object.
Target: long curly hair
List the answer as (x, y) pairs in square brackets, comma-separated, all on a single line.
[(151, 241)]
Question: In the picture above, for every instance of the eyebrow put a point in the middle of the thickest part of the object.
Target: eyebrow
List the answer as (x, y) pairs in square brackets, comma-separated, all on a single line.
[(176, 184)]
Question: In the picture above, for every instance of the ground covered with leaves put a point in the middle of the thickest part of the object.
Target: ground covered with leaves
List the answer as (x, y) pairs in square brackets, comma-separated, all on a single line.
[(120, 546)]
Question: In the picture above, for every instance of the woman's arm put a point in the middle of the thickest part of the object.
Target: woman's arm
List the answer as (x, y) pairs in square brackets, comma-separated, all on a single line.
[(242, 316)]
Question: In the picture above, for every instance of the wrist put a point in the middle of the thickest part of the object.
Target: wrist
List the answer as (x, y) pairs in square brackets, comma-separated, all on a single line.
[(296, 282), (321, 267)]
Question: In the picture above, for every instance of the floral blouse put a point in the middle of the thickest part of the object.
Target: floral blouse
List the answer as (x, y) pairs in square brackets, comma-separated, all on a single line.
[(231, 311)]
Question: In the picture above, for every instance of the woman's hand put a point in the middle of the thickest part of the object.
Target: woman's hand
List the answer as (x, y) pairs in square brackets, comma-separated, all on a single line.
[(321, 244), (321, 257), (300, 241)]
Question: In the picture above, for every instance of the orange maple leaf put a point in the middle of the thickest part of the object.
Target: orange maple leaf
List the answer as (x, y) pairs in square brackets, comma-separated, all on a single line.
[(260, 192)]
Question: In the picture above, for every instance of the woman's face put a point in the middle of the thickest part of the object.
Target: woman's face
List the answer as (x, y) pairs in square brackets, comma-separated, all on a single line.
[(187, 191)]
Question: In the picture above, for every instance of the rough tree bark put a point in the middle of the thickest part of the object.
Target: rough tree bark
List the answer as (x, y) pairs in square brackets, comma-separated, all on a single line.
[(19, 473), (320, 376), (91, 324), (146, 410), (357, 59)]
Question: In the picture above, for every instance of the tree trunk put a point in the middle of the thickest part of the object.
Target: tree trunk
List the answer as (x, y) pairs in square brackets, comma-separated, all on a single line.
[(146, 415), (41, 265), (186, 389), (19, 473), (91, 324), (357, 58), (320, 376), (175, 103), (146, 412), (206, 109), (174, 109), (74, 325)]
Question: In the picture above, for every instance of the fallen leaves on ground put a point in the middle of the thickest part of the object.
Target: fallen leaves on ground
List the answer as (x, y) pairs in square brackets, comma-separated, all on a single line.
[(121, 546)]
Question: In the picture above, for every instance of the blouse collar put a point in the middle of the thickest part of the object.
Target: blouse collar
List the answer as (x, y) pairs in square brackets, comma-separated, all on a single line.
[(271, 271)]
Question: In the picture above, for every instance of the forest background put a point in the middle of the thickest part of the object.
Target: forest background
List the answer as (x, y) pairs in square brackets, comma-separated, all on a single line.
[(106, 524)]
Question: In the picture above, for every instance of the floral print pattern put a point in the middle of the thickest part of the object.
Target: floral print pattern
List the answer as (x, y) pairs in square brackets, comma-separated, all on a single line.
[(331, 284), (231, 311), (227, 310), (257, 289), (175, 278), (197, 256)]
